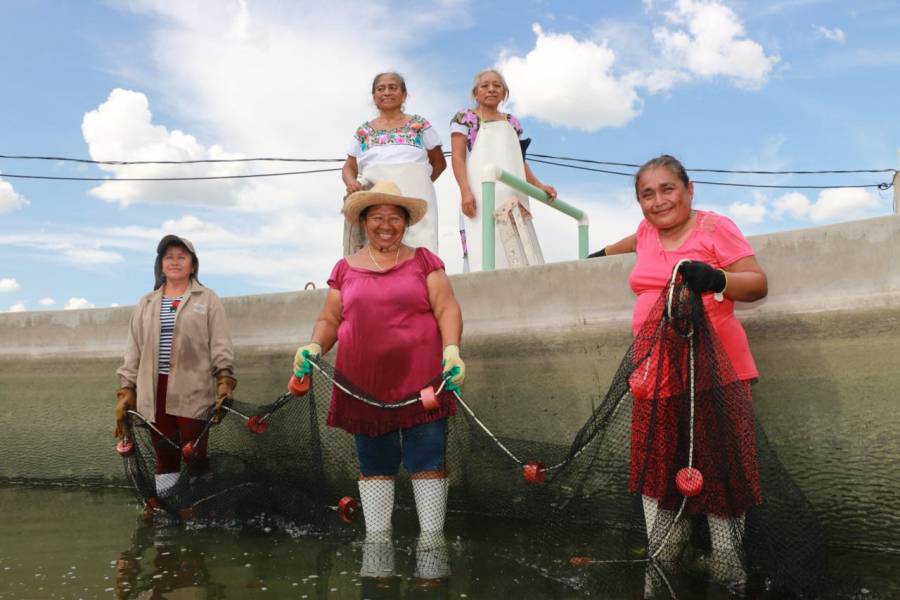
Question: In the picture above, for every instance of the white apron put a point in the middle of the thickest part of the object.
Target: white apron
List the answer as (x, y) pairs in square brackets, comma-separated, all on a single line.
[(414, 181), (497, 144)]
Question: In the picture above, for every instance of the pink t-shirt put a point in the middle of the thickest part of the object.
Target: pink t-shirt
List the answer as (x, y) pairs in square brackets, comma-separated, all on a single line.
[(389, 344), (715, 240)]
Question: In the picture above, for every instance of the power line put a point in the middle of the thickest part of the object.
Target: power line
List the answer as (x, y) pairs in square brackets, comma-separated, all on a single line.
[(320, 160), (86, 161), (880, 186), (727, 171), (114, 179)]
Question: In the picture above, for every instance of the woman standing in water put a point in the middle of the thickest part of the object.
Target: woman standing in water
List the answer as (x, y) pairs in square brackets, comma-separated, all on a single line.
[(179, 362), (398, 147), (480, 136)]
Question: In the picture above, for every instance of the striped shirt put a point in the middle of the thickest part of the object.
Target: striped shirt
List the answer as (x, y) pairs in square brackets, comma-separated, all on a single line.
[(166, 331)]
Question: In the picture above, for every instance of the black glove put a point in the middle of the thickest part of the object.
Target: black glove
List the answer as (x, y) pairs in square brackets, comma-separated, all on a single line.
[(598, 253), (701, 277)]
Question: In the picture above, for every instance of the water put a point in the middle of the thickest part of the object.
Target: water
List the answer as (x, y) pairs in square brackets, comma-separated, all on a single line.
[(90, 543)]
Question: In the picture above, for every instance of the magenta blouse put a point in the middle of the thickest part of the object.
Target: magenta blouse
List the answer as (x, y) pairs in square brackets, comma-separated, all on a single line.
[(389, 345)]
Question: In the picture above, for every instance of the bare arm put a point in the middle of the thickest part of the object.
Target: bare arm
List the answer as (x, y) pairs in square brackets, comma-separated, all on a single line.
[(533, 180), (349, 173), (458, 162), (445, 307), (623, 246), (746, 281), (438, 162), (325, 330)]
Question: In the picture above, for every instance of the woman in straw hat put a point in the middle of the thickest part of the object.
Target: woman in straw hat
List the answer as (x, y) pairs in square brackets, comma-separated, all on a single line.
[(397, 147), (179, 361), (393, 311)]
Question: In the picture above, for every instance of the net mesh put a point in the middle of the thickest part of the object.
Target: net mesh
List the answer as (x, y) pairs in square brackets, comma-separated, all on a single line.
[(619, 510)]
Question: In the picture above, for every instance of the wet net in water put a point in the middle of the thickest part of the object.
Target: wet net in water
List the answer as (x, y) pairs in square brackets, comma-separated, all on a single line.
[(670, 483)]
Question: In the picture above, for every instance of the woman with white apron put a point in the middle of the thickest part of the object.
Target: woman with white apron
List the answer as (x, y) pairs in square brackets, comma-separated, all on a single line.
[(479, 137), (404, 149)]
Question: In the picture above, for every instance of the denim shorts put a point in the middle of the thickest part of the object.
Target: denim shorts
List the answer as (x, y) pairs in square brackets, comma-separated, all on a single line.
[(420, 448)]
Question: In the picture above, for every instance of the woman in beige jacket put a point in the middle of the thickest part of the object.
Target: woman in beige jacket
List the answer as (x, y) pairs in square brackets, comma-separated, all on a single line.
[(178, 361)]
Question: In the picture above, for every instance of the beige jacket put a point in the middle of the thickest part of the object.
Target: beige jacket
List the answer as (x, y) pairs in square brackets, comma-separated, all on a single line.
[(201, 351)]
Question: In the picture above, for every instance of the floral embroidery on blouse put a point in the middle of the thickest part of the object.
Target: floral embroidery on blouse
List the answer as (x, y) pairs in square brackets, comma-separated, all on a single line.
[(408, 134), (472, 122)]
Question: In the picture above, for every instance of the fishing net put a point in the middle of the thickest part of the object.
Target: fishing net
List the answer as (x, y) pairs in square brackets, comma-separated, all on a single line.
[(670, 485)]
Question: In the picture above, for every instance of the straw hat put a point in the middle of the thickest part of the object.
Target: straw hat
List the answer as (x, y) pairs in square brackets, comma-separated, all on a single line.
[(383, 192)]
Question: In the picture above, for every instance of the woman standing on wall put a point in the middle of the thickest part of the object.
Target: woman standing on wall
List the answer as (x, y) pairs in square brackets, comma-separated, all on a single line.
[(480, 136), (179, 361), (397, 147)]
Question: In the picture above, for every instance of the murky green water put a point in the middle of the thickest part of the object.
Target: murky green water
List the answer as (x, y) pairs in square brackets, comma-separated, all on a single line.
[(90, 543)]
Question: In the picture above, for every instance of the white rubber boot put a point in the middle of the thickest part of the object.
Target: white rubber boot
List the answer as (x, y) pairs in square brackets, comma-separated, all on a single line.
[(165, 484), (377, 497), (377, 555), (726, 536), (432, 557), (663, 529), (431, 503)]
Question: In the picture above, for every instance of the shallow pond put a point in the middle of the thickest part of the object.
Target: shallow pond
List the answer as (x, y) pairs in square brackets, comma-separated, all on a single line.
[(58, 542)]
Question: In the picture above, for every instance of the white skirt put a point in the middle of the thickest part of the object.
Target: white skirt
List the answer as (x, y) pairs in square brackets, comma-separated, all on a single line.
[(496, 144), (414, 181)]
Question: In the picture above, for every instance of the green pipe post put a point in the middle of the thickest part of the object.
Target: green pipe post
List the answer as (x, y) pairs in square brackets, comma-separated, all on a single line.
[(563, 207), (487, 225)]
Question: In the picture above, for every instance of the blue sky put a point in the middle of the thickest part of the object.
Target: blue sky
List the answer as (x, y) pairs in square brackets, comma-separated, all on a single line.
[(782, 85)]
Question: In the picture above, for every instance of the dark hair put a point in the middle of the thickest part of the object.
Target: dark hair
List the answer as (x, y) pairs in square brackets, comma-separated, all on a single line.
[(158, 275), (392, 73), (667, 161), (365, 213)]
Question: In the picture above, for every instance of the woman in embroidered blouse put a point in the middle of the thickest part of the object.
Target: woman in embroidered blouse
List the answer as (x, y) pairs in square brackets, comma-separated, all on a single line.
[(401, 148), (482, 136), (723, 269), (392, 310)]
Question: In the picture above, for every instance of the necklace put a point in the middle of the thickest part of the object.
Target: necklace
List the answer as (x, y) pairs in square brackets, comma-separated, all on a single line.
[(372, 256)]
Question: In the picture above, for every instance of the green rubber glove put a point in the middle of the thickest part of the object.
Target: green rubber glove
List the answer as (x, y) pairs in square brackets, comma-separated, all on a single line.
[(310, 350), (454, 365)]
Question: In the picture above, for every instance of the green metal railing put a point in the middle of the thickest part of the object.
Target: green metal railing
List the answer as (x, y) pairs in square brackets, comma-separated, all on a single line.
[(490, 177)]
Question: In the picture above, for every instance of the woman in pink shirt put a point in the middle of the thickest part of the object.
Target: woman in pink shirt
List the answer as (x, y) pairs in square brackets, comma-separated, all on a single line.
[(721, 268)]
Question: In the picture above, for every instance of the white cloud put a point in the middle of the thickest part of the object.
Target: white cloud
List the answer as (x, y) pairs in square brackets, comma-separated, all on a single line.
[(77, 304), (79, 249), (10, 200), (17, 307), (122, 129), (46, 301), (747, 212), (585, 94), (713, 44), (837, 204), (8, 284), (835, 35)]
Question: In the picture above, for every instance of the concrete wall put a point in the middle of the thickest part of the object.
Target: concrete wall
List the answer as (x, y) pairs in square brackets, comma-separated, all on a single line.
[(540, 343)]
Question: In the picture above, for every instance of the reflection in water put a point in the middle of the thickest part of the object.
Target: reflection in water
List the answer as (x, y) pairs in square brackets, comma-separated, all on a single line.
[(161, 563)]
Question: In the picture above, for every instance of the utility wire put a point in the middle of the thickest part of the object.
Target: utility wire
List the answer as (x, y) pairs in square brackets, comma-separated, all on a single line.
[(114, 179), (880, 186)]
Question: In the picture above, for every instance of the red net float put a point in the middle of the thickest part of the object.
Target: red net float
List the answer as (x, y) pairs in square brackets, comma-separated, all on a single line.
[(581, 561), (257, 424), (186, 514), (348, 509), (689, 481), (125, 447), (150, 507), (187, 451), (298, 386), (428, 399), (534, 472)]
